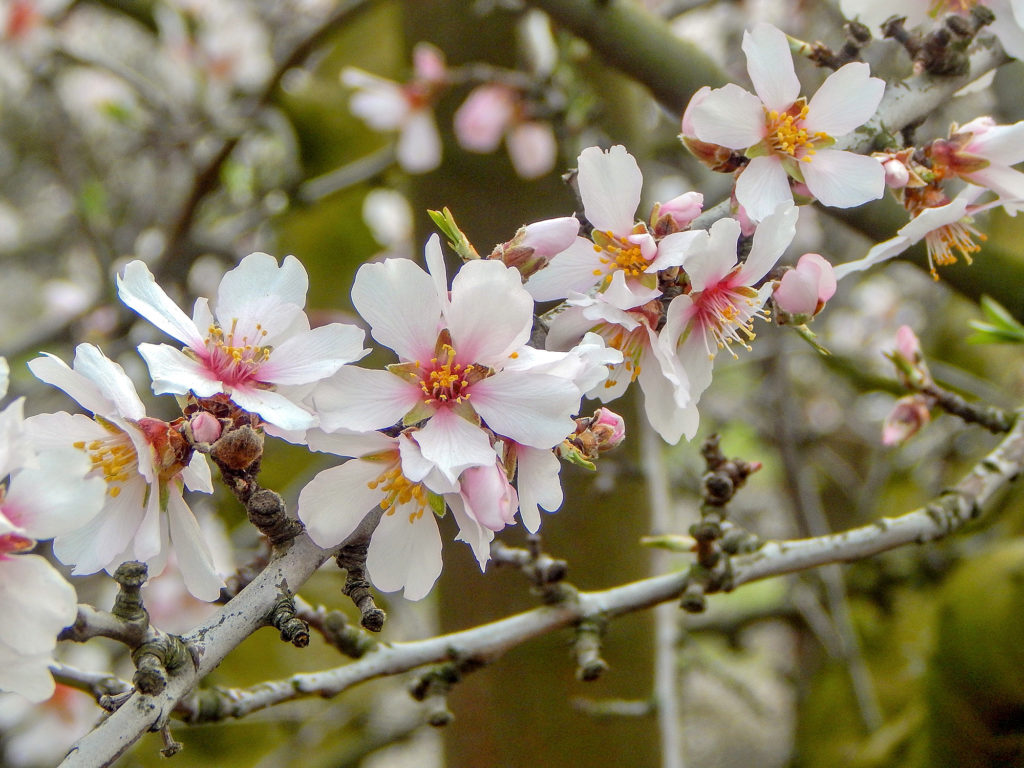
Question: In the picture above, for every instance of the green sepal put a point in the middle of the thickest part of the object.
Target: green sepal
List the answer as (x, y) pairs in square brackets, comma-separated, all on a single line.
[(571, 454), (457, 239), (436, 502), (420, 412)]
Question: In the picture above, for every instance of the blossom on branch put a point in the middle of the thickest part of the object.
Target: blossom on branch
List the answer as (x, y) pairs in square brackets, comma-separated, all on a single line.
[(255, 345), (454, 374), (786, 137), (144, 464), (621, 257), (47, 494)]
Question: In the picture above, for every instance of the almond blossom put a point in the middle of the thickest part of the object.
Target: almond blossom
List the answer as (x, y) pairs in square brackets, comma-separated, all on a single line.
[(454, 373), (785, 136), (723, 301), (46, 495), (982, 153), (390, 472), (404, 107), (144, 464), (947, 229), (255, 345), (621, 257)]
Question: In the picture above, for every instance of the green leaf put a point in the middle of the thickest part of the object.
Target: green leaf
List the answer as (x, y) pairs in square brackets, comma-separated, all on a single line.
[(1001, 328)]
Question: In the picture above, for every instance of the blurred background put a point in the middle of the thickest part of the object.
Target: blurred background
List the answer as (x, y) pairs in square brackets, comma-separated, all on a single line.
[(190, 133)]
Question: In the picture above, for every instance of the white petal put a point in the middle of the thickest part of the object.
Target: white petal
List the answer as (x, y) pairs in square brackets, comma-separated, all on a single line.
[(313, 355), (36, 603), (349, 444), (361, 399), (763, 186), (847, 99), (485, 330), (274, 408), (197, 475), (571, 270), (770, 66), (771, 238), (27, 675), (627, 294), (534, 409), (175, 372), (335, 501), (419, 143), (95, 546), (610, 184), (398, 300), (139, 291), (470, 531), (729, 116), (538, 484), (194, 558), (110, 378), (258, 281), (844, 179), (662, 404), (453, 444), (674, 248), (55, 372), (54, 497), (405, 553), (708, 265)]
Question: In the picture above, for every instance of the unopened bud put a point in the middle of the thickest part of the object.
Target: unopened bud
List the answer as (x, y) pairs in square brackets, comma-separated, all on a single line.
[(803, 290), (609, 429), (905, 419), (897, 175), (536, 244), (677, 214), (205, 427)]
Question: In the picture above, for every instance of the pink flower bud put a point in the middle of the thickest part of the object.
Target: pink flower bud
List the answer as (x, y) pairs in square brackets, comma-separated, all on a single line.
[(609, 428), (428, 63), (682, 209), (489, 497), (906, 418), (907, 344), (484, 116), (897, 175), (550, 236), (205, 427), (803, 291)]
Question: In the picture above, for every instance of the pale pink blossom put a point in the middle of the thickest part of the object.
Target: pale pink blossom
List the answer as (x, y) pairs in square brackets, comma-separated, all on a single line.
[(482, 119), (390, 472), (144, 464), (255, 345), (803, 291), (982, 153), (945, 229), (908, 345), (609, 427), (404, 107), (897, 175), (621, 256), (724, 299), (532, 148), (47, 494), (785, 136), (453, 374)]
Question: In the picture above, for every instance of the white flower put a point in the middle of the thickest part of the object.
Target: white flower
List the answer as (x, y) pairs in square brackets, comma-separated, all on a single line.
[(982, 153), (407, 108), (944, 228), (454, 373), (255, 346), (143, 462), (720, 308), (785, 136), (46, 495), (622, 257), (390, 472)]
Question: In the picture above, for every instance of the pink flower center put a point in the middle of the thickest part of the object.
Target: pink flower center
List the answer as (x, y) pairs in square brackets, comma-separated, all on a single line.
[(12, 543), (235, 361), (725, 315), (445, 381), (113, 457), (786, 134)]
